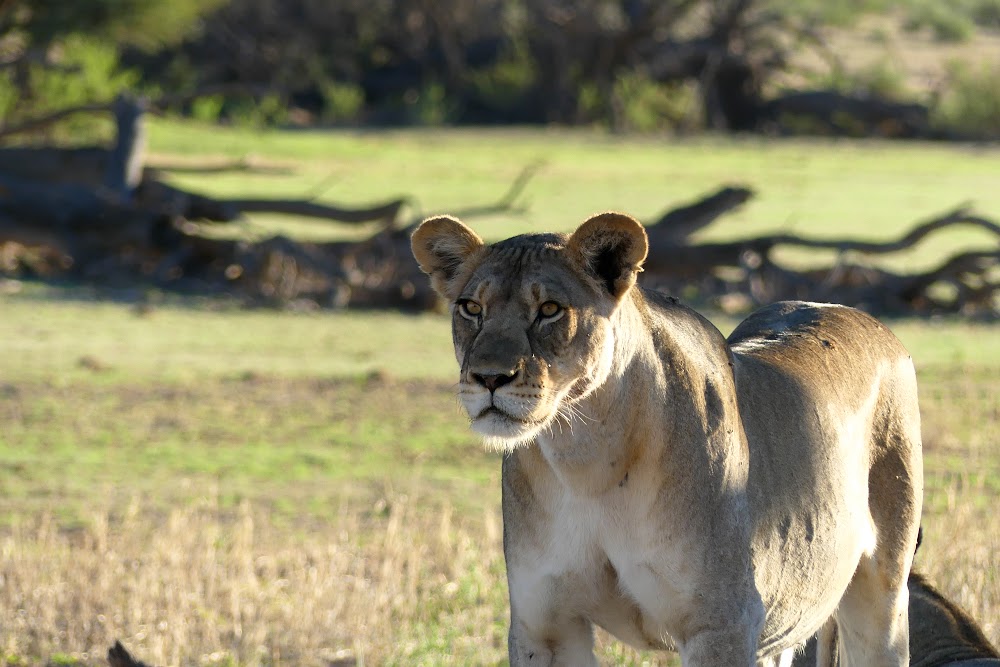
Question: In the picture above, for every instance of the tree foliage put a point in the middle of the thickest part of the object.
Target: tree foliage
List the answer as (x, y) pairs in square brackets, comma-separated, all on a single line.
[(56, 54), (624, 64), (147, 24)]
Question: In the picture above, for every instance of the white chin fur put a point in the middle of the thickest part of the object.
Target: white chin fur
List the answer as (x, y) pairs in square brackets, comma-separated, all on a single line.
[(504, 434)]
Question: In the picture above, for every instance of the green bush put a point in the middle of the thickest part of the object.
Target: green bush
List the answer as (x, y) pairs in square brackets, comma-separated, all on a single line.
[(143, 23), (88, 72), (970, 103), (882, 78), (946, 21), (639, 104), (985, 13), (647, 106), (342, 102), (240, 110), (431, 105), (207, 109), (590, 106), (260, 112), (9, 98), (504, 85)]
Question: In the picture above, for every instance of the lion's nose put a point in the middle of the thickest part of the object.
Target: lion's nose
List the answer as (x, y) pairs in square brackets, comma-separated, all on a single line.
[(494, 382)]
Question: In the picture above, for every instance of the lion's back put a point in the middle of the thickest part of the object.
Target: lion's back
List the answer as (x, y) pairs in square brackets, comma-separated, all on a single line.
[(802, 328), (818, 347), (801, 366)]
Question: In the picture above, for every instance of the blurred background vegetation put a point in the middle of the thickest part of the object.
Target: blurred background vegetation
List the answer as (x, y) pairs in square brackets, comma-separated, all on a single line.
[(679, 66)]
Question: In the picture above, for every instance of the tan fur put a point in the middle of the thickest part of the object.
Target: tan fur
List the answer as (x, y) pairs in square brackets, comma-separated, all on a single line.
[(724, 498)]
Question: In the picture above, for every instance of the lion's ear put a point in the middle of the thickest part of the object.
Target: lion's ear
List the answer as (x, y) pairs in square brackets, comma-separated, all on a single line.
[(441, 245), (612, 247)]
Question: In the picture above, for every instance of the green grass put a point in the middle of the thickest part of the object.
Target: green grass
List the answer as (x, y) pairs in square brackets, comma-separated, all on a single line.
[(275, 407), (64, 340)]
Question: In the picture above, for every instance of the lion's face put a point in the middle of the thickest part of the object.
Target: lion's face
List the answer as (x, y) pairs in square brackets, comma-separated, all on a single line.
[(531, 335), (530, 318)]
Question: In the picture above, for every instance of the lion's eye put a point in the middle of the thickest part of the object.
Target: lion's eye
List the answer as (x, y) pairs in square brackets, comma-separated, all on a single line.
[(549, 309), (470, 309)]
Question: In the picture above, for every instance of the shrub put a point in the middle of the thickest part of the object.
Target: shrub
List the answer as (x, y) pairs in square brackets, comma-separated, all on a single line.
[(207, 109), (431, 105), (880, 79), (259, 112), (647, 106), (503, 86), (883, 79), (985, 13), (87, 72), (946, 22), (342, 102), (970, 102)]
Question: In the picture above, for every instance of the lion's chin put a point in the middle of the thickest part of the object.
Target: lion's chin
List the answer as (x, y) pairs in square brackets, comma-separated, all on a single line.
[(502, 432)]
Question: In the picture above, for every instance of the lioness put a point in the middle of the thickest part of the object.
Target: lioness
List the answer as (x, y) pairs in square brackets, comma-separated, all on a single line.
[(679, 491)]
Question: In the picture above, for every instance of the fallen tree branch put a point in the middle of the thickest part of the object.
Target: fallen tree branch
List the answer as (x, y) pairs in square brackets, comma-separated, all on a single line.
[(387, 212), (756, 250), (242, 165), (958, 216), (676, 224)]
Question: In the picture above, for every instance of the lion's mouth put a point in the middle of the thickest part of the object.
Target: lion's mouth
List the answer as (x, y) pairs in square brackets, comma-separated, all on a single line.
[(498, 412), (503, 421), (502, 430)]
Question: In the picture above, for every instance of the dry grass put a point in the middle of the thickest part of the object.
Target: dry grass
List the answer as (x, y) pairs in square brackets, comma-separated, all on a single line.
[(960, 409), (201, 586), (962, 553), (921, 60), (404, 584)]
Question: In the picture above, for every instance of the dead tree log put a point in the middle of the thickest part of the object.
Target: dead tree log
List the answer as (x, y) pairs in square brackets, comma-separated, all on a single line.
[(106, 231), (968, 279), (124, 170)]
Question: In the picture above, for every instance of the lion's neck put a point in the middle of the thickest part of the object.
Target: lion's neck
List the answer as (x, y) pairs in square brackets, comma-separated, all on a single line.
[(604, 436)]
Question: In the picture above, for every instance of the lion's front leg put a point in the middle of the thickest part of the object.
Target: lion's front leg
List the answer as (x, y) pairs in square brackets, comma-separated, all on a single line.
[(733, 645), (568, 644), (723, 628)]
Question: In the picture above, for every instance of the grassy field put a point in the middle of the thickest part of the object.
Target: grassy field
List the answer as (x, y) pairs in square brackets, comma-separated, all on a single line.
[(215, 486)]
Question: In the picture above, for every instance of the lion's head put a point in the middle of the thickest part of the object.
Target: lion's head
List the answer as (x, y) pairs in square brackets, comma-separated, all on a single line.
[(531, 316)]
